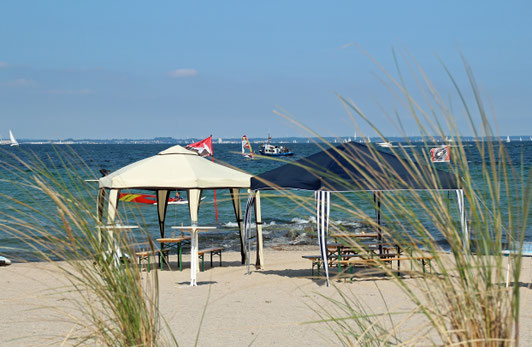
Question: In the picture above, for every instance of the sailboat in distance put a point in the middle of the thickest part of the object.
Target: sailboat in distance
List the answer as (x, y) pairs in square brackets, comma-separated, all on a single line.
[(247, 151), (12, 139)]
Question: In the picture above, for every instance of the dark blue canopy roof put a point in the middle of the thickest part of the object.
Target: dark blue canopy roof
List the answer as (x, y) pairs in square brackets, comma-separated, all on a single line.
[(353, 166)]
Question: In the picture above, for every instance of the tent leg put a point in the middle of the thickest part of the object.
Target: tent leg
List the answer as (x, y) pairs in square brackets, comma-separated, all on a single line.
[(463, 221), (112, 212), (321, 219), (235, 196), (162, 206), (377, 199), (100, 204), (259, 264), (194, 196)]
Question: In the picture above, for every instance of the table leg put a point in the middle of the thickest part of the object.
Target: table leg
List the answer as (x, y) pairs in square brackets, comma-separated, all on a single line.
[(339, 259)]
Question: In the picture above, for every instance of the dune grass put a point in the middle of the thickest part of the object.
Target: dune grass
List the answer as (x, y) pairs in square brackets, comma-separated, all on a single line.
[(53, 211), (464, 299)]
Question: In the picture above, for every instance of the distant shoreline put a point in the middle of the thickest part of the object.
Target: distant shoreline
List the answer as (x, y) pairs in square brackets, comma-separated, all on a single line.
[(291, 140)]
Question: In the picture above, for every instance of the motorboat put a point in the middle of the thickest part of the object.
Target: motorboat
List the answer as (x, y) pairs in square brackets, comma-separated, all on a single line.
[(386, 144), (273, 150)]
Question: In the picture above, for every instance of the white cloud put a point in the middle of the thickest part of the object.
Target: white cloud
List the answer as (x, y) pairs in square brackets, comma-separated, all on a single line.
[(182, 73), (20, 82), (3, 64)]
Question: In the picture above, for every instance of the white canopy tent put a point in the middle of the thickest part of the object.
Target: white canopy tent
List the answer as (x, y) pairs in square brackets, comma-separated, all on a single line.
[(177, 168)]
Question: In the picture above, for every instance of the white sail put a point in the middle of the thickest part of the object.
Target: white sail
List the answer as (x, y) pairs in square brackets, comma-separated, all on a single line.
[(12, 139), (246, 145), (507, 138)]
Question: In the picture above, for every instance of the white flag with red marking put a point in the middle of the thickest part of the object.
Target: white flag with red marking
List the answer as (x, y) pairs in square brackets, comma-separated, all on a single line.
[(440, 154), (203, 147)]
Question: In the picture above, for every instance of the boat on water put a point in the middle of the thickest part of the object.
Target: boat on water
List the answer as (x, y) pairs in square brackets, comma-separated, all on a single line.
[(247, 151), (386, 144), (507, 138), (13, 141), (273, 150), (4, 261), (151, 199)]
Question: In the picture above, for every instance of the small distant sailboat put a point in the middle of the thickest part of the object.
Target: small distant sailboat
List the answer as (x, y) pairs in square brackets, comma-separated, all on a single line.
[(12, 139), (247, 151), (507, 138)]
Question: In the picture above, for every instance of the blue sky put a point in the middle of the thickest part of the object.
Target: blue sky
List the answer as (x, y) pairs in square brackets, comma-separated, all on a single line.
[(132, 69)]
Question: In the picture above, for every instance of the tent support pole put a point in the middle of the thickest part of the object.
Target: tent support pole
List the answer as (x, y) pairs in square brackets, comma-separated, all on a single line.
[(235, 196), (463, 221), (194, 197), (162, 205), (112, 206), (100, 204), (259, 263), (321, 228), (377, 200)]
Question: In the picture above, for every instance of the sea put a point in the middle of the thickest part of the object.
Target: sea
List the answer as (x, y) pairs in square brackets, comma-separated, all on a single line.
[(285, 222)]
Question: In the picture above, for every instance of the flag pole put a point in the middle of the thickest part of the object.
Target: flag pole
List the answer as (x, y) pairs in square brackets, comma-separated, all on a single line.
[(215, 203)]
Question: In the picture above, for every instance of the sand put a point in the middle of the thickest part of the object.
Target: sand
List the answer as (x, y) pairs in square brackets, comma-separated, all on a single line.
[(268, 307)]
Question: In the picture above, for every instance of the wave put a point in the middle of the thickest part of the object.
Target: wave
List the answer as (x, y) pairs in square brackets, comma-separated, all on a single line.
[(309, 220), (233, 225)]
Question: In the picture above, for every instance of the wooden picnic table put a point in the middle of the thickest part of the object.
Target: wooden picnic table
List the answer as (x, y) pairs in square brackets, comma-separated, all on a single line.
[(341, 250), (169, 243), (194, 230)]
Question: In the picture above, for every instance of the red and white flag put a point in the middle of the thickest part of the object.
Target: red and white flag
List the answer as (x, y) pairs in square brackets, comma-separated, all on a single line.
[(203, 147), (440, 154)]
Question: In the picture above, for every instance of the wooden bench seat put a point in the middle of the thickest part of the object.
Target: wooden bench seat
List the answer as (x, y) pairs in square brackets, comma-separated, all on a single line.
[(353, 262), (144, 256), (213, 251), (355, 259), (334, 259)]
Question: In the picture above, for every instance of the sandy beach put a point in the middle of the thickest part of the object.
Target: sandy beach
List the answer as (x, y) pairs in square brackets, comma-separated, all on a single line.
[(268, 307)]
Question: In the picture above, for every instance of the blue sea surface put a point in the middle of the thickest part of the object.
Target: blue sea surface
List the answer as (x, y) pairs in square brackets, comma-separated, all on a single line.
[(284, 221)]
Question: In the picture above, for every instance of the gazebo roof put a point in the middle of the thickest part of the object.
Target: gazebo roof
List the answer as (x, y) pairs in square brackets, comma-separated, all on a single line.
[(353, 166), (175, 168)]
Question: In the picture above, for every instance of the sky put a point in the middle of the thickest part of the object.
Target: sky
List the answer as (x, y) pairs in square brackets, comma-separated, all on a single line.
[(137, 69)]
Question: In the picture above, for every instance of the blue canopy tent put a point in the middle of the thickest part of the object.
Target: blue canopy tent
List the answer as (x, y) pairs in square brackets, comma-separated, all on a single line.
[(352, 167)]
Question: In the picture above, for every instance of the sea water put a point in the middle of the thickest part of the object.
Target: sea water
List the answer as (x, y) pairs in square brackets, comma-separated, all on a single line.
[(284, 221)]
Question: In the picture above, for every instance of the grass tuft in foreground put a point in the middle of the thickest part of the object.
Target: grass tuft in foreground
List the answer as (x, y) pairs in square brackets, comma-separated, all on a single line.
[(53, 210), (464, 299)]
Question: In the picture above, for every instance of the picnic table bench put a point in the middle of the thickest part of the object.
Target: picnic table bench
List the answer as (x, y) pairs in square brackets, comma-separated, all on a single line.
[(375, 261), (144, 256), (213, 251), (335, 259)]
